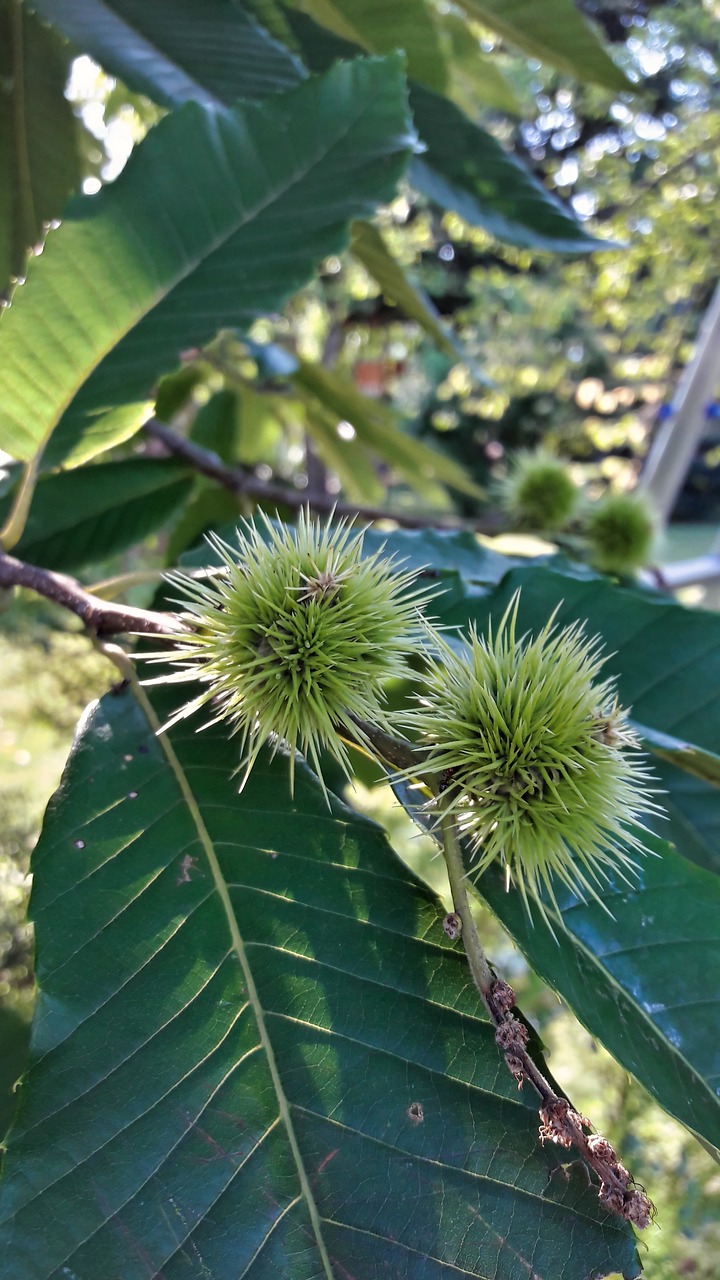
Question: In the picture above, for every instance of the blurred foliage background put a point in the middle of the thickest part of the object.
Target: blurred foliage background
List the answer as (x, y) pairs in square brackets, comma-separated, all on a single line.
[(579, 353)]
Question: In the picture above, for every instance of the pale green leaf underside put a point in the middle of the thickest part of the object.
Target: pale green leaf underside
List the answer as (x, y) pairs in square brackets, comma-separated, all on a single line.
[(555, 32), (381, 27), (378, 429), (255, 1053), (219, 217), (477, 80), (369, 247)]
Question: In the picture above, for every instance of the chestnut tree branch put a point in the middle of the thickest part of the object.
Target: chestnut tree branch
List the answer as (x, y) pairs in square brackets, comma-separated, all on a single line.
[(99, 616), (559, 1122), (245, 483)]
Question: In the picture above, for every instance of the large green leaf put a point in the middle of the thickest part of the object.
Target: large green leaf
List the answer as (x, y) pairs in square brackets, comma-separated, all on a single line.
[(666, 657), (205, 50), (218, 218), (554, 31), (38, 134), (369, 247), (82, 439), (84, 516), (646, 983), (255, 1053), (380, 27), (463, 167)]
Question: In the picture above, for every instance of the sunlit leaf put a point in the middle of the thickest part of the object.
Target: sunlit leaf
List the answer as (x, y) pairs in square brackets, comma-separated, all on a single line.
[(380, 27), (555, 32), (645, 979), (218, 218), (369, 247)]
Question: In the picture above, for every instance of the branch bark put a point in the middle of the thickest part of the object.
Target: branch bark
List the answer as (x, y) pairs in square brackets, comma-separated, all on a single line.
[(559, 1122), (242, 482), (99, 616)]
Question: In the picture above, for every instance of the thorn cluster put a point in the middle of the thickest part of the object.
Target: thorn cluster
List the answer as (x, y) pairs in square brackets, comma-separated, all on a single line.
[(538, 492), (620, 530), (296, 640), (537, 762)]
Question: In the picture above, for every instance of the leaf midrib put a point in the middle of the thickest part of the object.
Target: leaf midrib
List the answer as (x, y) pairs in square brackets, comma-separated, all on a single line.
[(240, 951)]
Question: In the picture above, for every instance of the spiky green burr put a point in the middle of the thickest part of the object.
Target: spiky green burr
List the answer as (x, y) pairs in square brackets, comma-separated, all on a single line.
[(620, 530), (534, 757), (296, 638), (538, 492)]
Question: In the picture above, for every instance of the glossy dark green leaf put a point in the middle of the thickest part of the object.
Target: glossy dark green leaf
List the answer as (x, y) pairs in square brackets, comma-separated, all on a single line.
[(464, 168), (645, 981), (39, 163), (692, 809), (14, 1044), (84, 516), (443, 553), (666, 657), (255, 1052), (218, 218), (207, 51)]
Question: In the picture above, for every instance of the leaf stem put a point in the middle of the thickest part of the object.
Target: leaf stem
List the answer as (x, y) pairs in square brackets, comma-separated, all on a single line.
[(559, 1122), (394, 750), (14, 527), (246, 483), (482, 974)]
